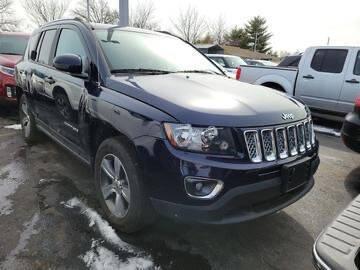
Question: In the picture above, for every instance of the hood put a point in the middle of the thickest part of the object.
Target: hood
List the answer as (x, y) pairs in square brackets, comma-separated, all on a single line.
[(9, 60), (205, 99)]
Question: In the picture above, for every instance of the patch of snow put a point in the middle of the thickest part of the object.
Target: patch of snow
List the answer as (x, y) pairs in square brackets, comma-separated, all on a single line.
[(10, 260), (15, 126), (99, 257), (11, 177), (106, 231), (326, 130)]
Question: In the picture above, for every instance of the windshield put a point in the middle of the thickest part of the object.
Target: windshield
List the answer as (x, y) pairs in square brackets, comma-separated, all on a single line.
[(15, 45), (131, 51), (234, 62)]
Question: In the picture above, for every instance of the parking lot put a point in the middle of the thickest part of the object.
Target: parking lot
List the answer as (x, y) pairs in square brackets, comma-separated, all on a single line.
[(49, 217)]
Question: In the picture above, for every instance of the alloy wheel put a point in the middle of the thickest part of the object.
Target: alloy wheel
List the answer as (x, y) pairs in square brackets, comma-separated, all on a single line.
[(114, 183)]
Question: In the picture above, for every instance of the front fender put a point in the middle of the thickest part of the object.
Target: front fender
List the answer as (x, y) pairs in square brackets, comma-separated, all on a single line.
[(127, 115)]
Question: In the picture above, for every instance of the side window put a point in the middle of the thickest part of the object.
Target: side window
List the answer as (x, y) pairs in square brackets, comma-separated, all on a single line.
[(70, 42), (357, 65), (219, 60), (32, 45), (46, 44), (329, 60)]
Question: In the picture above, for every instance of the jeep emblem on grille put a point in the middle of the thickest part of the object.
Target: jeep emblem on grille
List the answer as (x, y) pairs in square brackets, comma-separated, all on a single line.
[(287, 116)]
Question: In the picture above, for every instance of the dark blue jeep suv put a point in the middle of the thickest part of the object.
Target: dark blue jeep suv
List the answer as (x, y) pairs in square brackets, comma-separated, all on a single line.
[(163, 128)]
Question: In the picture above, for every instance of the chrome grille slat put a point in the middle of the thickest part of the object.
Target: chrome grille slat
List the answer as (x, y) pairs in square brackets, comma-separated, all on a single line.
[(292, 140), (312, 133), (307, 130), (301, 137), (268, 143), (282, 142), (253, 145)]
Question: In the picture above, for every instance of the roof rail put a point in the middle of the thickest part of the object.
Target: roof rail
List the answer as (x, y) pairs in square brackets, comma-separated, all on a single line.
[(70, 19)]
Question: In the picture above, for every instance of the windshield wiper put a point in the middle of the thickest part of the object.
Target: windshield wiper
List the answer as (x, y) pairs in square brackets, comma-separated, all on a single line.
[(140, 70), (9, 53), (198, 71)]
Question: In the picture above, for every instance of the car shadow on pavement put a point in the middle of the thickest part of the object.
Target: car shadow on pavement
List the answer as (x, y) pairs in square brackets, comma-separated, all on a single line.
[(273, 242), (352, 182)]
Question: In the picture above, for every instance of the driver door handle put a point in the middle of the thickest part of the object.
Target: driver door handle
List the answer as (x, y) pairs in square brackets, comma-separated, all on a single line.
[(49, 80), (352, 81), (308, 77)]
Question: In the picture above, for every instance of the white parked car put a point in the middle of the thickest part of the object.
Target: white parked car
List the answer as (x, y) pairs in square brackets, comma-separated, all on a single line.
[(229, 62), (327, 79)]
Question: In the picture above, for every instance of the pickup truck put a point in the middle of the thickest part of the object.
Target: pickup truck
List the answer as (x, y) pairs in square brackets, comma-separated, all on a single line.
[(327, 79)]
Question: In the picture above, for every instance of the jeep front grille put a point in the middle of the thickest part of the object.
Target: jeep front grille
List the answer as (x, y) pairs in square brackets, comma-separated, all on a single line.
[(281, 142)]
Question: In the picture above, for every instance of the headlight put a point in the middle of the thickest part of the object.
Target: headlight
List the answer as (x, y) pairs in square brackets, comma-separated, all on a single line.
[(210, 140), (7, 70)]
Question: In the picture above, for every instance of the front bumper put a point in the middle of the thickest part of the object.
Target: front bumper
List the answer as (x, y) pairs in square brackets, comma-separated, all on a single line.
[(351, 131), (337, 247), (250, 190)]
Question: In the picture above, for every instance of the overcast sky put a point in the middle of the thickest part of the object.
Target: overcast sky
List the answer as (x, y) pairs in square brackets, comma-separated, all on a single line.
[(294, 24)]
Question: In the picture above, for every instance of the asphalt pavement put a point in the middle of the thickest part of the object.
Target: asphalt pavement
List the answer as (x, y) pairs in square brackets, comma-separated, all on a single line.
[(50, 219)]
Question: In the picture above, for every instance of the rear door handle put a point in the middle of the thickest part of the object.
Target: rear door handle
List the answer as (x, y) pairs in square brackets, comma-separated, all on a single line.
[(49, 80), (352, 81), (308, 77)]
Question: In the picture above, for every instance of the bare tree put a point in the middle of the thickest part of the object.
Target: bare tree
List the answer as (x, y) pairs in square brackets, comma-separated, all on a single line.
[(143, 15), (100, 12), (43, 11), (218, 29), (6, 15), (190, 24)]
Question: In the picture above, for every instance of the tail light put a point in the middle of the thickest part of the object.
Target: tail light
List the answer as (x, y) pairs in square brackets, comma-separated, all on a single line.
[(357, 104), (238, 73)]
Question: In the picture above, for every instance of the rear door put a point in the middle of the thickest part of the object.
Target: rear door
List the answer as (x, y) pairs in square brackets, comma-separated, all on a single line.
[(351, 87), (321, 77), (40, 74)]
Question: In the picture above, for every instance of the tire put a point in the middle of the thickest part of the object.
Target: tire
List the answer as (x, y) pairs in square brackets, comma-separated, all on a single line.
[(27, 121), (121, 192)]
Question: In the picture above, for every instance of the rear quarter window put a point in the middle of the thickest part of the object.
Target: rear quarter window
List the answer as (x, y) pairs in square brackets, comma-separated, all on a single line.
[(33, 42), (329, 60)]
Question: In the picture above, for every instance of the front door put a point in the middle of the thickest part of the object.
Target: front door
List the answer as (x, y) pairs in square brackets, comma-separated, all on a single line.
[(67, 89), (321, 78), (351, 87)]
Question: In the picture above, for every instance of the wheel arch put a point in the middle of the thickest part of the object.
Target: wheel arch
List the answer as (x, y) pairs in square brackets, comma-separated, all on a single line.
[(99, 131), (279, 82)]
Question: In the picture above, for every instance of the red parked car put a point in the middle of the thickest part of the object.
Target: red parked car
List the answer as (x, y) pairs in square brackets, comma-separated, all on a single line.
[(12, 48)]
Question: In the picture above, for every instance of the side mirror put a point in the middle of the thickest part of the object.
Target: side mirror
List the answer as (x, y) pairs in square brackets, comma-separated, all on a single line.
[(33, 55), (69, 63)]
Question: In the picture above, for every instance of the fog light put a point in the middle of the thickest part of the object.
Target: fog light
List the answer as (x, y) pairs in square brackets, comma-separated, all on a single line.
[(8, 91), (202, 188)]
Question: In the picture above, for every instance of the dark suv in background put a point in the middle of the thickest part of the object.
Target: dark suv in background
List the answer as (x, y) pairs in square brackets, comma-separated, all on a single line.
[(164, 130)]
